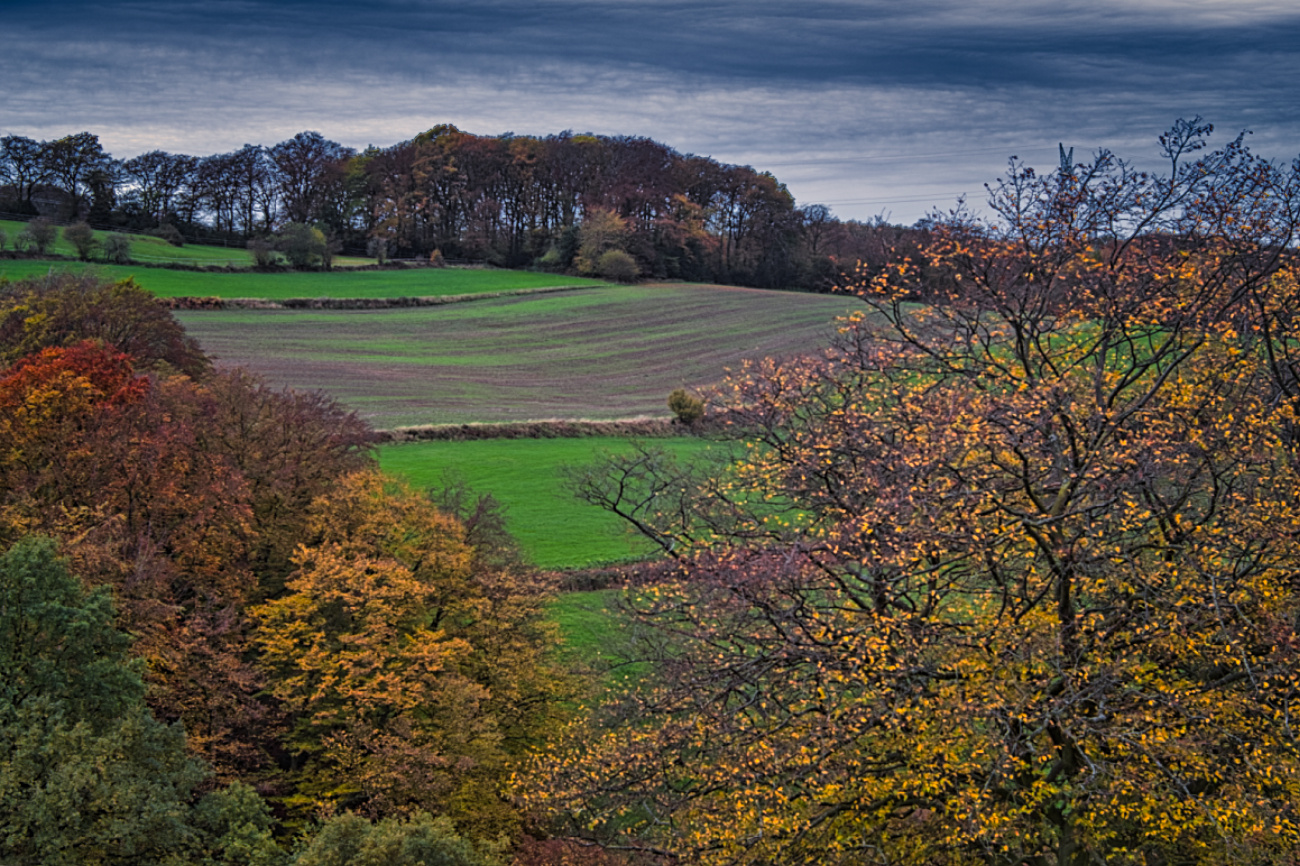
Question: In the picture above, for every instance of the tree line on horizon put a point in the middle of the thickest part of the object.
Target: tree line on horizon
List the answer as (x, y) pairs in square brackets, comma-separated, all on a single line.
[(508, 200)]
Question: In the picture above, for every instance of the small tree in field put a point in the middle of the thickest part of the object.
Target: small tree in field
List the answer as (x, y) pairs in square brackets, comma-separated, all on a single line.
[(263, 253), (304, 246), (38, 236), (685, 406), (82, 238), (618, 266), (117, 249)]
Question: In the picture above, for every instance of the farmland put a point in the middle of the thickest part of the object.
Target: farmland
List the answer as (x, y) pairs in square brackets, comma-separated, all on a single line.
[(554, 530), (147, 249), (611, 352), (416, 282)]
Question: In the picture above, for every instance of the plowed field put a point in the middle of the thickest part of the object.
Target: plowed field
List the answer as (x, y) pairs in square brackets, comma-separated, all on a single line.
[(598, 353)]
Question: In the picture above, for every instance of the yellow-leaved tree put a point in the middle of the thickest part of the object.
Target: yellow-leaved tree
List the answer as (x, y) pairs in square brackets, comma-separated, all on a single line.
[(1008, 576), (410, 668)]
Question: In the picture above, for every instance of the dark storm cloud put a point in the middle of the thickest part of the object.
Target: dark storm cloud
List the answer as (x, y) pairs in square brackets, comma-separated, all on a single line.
[(859, 103)]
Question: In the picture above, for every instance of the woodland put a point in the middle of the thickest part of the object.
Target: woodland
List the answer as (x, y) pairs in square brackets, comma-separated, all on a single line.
[(1006, 576), (509, 201)]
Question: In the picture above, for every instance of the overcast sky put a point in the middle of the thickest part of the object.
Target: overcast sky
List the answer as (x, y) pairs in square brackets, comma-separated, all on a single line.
[(868, 106)]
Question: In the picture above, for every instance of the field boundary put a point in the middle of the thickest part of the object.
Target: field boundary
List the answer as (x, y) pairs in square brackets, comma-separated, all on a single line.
[(213, 303), (648, 428)]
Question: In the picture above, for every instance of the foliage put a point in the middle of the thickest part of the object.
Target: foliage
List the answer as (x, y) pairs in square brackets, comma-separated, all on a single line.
[(601, 231), (64, 309), (685, 406), (82, 238), (169, 233), (187, 499), (86, 774), (38, 236), (617, 265), (1007, 578), (233, 827), (409, 675), (263, 253), (117, 249), (351, 840), (303, 245)]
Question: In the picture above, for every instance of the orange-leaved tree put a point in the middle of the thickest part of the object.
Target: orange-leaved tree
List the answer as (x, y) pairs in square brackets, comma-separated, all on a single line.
[(1008, 576), (409, 674)]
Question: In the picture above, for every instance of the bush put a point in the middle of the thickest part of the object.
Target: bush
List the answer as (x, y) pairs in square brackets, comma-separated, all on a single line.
[(82, 238), (37, 237), (305, 247), (618, 266), (436, 260), (350, 840), (263, 252), (685, 406), (378, 248), (117, 249), (170, 234), (3, 239)]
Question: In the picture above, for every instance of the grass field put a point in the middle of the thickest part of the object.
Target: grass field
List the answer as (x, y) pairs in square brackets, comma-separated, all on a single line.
[(611, 353), (416, 282), (149, 249), (554, 529)]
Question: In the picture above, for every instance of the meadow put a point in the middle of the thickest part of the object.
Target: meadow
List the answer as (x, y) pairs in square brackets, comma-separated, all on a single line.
[(147, 249), (607, 353), (279, 286), (554, 529)]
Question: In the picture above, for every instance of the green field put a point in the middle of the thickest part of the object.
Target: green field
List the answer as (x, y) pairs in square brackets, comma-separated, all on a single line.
[(609, 353), (554, 530), (416, 282), (148, 249)]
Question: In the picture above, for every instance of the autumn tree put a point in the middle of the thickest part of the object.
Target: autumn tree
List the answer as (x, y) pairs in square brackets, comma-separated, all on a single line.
[(64, 309), (1006, 578), (404, 668), (185, 498)]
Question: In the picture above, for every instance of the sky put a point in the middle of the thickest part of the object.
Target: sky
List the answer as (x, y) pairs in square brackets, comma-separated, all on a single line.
[(886, 108)]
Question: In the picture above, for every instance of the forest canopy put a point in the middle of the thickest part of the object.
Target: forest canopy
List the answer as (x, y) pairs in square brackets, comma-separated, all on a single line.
[(508, 200)]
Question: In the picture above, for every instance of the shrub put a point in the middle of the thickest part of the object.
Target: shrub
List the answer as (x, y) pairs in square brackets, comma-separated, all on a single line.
[(436, 260), (117, 249), (351, 840), (82, 238), (685, 406), (170, 234), (263, 252), (304, 246), (618, 266), (3, 239), (38, 236), (378, 248)]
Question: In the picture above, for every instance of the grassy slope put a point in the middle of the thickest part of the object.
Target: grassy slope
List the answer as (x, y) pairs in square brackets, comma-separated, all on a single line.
[(554, 529), (611, 353), (149, 249), (417, 282)]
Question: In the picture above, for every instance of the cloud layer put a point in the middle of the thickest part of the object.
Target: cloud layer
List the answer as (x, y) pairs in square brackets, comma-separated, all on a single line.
[(866, 105)]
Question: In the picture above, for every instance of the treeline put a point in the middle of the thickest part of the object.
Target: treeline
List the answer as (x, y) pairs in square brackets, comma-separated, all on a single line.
[(219, 625), (560, 202)]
